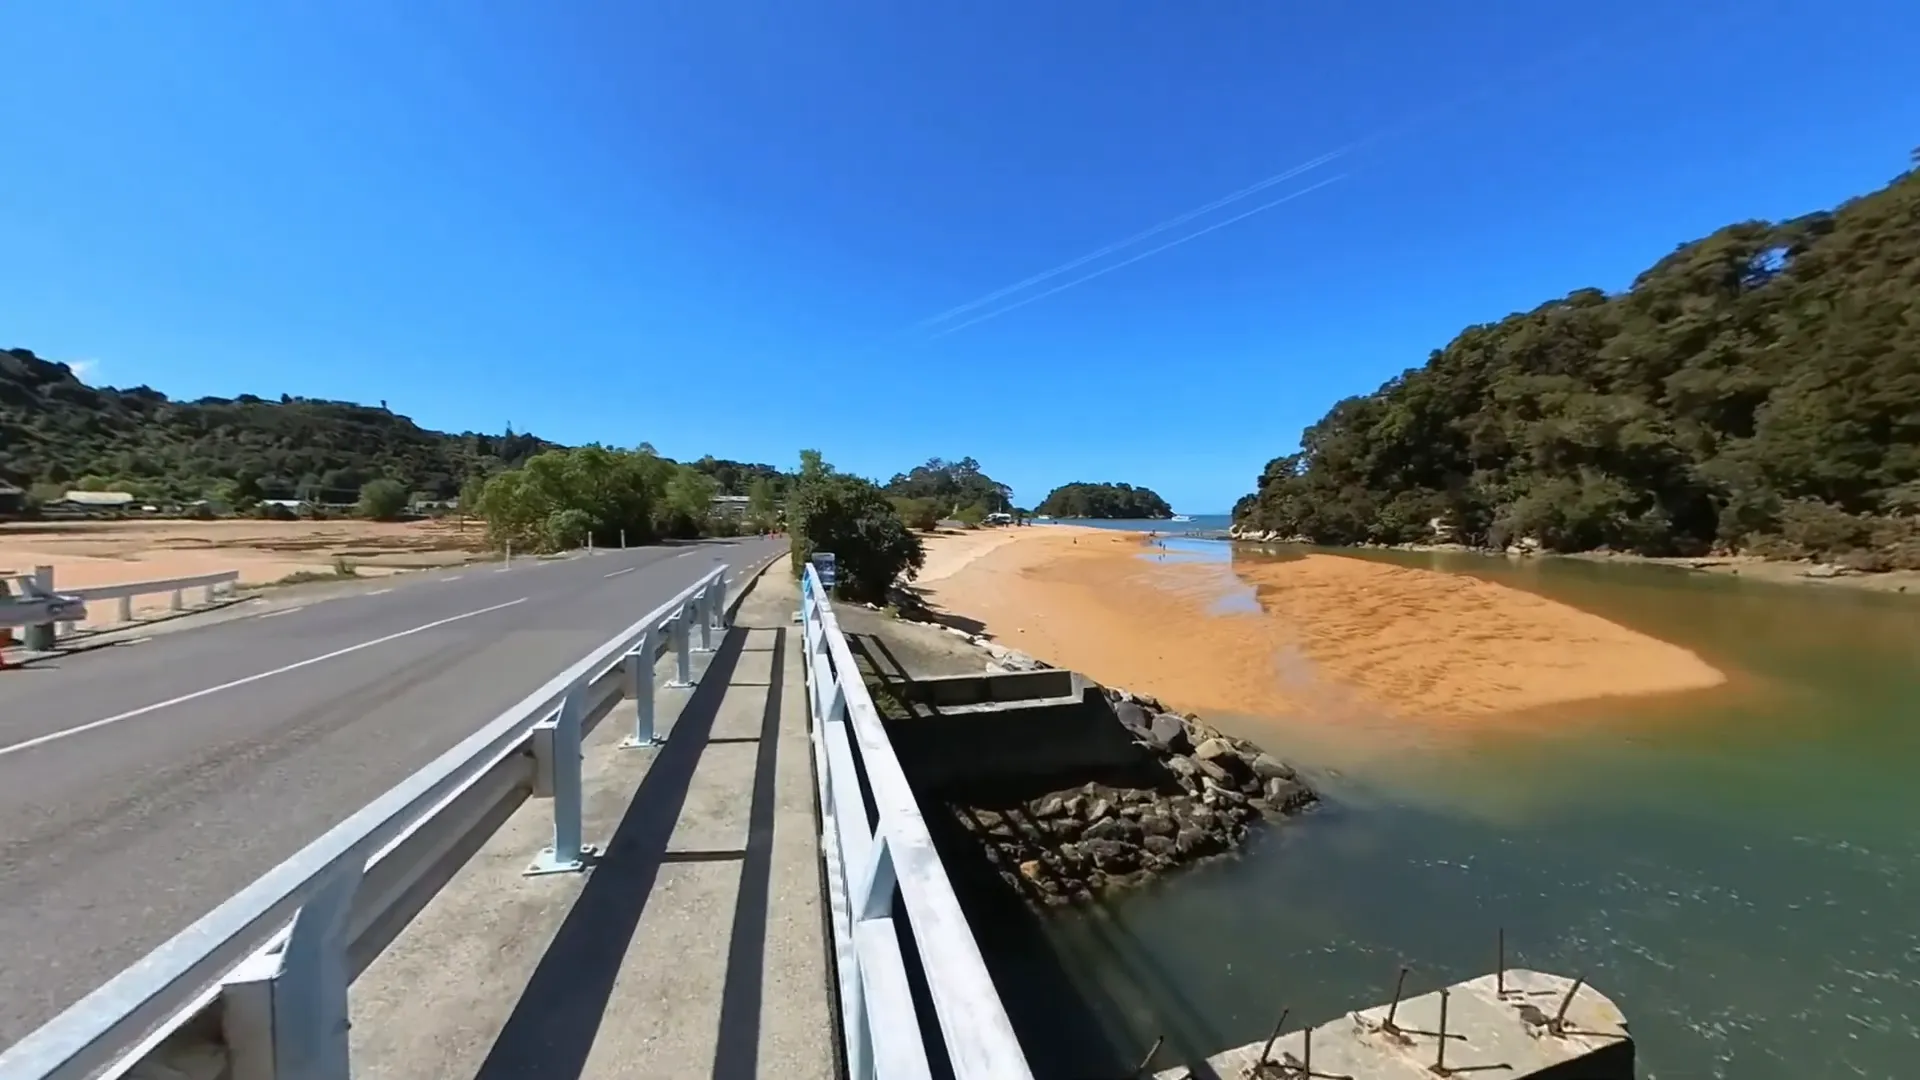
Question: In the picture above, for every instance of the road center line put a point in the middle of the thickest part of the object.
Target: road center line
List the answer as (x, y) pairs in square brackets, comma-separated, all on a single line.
[(377, 592), (55, 736), (617, 573), (277, 614)]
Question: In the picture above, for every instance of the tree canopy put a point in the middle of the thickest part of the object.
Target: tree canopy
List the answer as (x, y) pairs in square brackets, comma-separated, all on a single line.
[(1757, 390), (952, 486), (852, 518), (1108, 501)]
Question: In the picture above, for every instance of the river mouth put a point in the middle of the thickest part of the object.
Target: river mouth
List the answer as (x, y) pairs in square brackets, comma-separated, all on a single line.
[(1736, 867)]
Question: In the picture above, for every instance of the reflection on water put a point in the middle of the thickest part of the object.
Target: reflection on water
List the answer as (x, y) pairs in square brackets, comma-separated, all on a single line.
[(1741, 873), (1227, 593)]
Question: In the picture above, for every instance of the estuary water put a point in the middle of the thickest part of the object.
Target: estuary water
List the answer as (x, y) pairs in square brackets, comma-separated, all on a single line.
[(1739, 869)]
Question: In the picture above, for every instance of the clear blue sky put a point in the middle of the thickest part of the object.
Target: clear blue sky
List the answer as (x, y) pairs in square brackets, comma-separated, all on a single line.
[(712, 225)]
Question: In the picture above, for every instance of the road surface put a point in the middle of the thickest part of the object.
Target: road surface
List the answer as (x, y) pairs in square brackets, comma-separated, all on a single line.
[(140, 786)]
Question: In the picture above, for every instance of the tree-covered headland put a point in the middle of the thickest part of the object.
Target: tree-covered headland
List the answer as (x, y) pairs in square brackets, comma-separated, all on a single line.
[(1756, 391)]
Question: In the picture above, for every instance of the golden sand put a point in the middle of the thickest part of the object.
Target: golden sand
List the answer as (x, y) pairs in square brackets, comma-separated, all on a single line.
[(1328, 633)]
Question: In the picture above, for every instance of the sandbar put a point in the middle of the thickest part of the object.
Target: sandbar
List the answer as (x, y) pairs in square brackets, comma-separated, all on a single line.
[(1318, 636)]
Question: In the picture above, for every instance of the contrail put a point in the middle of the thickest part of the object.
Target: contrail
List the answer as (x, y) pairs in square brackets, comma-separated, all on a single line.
[(1418, 116), (1224, 200), (1145, 254)]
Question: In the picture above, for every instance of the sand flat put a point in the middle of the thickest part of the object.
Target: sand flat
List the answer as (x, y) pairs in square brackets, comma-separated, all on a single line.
[(1329, 634)]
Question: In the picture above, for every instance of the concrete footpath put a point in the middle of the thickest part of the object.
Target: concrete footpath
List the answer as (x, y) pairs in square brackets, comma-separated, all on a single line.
[(695, 947)]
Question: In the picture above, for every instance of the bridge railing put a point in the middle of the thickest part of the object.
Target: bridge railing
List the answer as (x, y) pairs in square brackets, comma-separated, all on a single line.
[(258, 987), (874, 858)]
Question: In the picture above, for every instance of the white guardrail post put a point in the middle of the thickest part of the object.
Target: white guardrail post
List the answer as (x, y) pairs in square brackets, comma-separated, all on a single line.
[(285, 1012), (682, 650), (639, 679), (557, 756)]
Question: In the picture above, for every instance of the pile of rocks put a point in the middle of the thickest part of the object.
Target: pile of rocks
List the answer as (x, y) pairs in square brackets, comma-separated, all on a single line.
[(1065, 847)]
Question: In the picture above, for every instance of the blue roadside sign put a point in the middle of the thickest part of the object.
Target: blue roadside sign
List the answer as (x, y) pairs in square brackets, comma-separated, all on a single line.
[(823, 562)]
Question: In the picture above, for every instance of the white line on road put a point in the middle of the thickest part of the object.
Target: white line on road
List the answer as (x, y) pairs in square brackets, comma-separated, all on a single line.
[(276, 614), (617, 573), (455, 577), (377, 592), (55, 736)]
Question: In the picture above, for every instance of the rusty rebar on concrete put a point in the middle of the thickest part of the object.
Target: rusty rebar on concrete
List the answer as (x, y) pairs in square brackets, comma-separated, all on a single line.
[(1140, 1071), (1559, 1024), (1399, 985), (1500, 964), (1266, 1052)]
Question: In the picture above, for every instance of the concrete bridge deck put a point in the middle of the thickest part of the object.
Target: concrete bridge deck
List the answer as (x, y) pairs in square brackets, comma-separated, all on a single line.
[(695, 947)]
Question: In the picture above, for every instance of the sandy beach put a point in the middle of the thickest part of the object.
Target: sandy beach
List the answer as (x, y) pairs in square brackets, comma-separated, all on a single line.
[(1321, 636)]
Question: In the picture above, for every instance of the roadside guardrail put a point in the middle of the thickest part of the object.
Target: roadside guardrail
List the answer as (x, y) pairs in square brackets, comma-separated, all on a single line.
[(43, 604), (872, 858), (257, 988)]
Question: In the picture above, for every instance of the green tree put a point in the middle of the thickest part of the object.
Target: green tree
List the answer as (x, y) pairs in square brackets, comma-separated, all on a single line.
[(383, 499), (920, 514), (763, 504), (952, 485), (850, 517), (611, 490)]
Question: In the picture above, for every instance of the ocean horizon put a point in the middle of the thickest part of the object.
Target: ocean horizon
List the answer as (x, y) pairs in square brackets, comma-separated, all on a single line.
[(1200, 524)]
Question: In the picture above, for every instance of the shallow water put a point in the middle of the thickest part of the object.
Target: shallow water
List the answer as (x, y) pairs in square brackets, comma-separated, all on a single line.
[(1739, 869)]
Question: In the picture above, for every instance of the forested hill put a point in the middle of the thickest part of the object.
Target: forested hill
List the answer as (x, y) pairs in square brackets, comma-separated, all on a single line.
[(1758, 391), (1107, 501), (56, 431)]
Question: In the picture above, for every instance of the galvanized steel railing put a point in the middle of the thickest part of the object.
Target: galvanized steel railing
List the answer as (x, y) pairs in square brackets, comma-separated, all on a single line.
[(43, 601), (258, 987), (872, 859)]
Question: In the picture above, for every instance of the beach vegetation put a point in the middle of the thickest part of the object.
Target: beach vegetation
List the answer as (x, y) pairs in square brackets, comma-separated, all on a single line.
[(951, 487), (1754, 391), (854, 519), (921, 515)]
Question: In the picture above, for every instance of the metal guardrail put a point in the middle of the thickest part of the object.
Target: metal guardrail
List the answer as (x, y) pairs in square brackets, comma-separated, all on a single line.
[(872, 858), (258, 987), (39, 591)]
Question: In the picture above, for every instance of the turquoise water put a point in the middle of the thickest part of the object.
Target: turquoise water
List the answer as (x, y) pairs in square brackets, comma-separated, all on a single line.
[(1738, 869)]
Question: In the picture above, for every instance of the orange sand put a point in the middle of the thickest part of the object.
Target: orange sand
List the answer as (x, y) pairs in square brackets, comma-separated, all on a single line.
[(1331, 635)]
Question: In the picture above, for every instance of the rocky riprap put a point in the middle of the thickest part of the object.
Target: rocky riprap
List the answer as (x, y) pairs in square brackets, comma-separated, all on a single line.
[(1067, 846)]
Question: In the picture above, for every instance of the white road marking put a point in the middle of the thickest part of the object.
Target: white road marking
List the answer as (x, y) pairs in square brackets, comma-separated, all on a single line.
[(617, 573), (377, 592), (276, 614), (55, 736), (455, 577)]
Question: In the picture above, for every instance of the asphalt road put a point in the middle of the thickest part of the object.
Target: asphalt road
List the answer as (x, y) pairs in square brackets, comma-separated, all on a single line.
[(140, 786)]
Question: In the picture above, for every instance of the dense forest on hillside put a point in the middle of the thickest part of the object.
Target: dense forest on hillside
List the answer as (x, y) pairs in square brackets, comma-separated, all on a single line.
[(1107, 501), (57, 432), (926, 494), (1757, 391)]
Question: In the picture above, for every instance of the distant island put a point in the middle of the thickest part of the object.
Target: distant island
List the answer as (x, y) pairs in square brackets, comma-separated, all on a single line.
[(1106, 501), (1755, 392)]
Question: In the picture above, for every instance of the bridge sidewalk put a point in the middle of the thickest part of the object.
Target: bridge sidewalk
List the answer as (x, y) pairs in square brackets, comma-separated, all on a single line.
[(695, 947)]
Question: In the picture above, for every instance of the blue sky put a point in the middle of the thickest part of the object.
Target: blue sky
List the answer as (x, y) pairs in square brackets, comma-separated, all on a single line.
[(714, 225)]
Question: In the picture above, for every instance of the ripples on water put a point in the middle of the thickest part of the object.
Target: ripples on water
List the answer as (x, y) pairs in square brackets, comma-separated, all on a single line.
[(1742, 878)]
